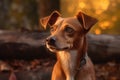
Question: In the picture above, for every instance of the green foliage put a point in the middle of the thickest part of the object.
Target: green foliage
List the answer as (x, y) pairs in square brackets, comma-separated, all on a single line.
[(20, 14)]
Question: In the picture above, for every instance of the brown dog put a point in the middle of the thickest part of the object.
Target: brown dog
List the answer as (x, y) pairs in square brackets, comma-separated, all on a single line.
[(68, 41)]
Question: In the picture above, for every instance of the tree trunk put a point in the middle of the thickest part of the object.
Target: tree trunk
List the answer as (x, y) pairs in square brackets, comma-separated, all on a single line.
[(19, 45), (17, 14), (4, 9), (102, 48), (45, 7)]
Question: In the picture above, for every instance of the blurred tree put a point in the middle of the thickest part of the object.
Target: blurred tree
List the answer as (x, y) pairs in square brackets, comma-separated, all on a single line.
[(4, 9), (17, 14), (45, 7)]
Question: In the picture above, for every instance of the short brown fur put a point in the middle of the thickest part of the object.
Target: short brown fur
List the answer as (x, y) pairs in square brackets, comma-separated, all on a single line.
[(68, 41)]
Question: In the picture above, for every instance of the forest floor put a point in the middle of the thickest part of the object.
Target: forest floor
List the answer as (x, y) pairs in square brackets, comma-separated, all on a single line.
[(104, 71), (108, 71)]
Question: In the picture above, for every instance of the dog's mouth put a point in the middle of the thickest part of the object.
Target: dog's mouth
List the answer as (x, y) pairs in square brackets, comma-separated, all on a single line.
[(54, 48)]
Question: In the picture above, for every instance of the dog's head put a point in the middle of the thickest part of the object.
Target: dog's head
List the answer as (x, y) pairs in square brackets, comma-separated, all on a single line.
[(66, 33)]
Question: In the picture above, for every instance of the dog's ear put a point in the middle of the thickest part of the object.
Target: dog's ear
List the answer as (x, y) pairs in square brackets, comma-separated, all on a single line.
[(86, 21), (50, 20)]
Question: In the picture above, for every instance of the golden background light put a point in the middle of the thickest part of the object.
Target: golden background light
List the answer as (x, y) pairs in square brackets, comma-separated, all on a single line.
[(106, 11)]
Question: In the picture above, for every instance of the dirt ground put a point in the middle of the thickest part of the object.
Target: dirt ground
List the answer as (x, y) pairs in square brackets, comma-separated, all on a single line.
[(104, 71)]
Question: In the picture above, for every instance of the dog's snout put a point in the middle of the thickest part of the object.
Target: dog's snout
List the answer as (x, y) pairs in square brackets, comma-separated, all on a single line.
[(51, 41)]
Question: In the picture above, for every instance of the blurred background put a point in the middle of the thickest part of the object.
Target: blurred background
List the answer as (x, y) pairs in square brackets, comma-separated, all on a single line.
[(22, 37), (18, 14)]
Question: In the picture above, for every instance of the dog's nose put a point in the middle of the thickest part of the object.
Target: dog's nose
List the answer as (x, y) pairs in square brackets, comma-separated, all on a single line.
[(51, 41)]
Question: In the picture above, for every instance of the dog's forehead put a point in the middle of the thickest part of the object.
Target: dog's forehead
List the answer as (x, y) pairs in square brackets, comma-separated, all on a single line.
[(70, 21)]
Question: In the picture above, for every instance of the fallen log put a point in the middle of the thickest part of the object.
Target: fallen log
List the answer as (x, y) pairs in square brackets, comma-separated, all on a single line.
[(102, 48), (30, 45), (20, 45)]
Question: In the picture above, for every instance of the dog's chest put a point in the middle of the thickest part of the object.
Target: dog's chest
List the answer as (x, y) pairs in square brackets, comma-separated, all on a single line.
[(68, 59)]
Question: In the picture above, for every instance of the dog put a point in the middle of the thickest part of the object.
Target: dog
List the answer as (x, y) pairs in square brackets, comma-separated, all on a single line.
[(68, 42)]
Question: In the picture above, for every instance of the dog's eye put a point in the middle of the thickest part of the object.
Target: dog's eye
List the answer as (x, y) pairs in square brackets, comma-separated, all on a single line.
[(69, 30)]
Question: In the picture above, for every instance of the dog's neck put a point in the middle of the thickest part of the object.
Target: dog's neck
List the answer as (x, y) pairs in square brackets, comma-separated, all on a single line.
[(70, 60), (68, 63)]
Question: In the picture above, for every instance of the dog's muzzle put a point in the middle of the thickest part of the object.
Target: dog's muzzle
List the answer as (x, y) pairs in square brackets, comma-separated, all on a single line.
[(51, 43)]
